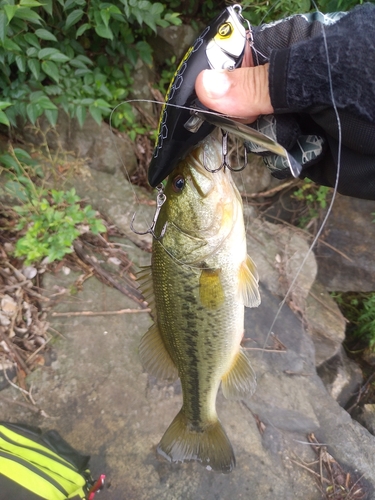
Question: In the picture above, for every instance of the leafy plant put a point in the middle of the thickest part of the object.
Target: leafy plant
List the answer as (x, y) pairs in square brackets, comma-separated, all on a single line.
[(75, 54), (314, 198), (51, 219), (359, 309), (53, 223)]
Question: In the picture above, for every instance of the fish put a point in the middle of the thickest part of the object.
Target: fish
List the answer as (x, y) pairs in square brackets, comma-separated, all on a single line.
[(221, 45), (198, 283)]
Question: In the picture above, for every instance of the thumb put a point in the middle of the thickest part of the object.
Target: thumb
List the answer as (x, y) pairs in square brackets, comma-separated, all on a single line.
[(242, 93)]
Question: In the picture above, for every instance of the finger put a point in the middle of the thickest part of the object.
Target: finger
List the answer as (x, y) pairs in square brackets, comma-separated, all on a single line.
[(242, 93)]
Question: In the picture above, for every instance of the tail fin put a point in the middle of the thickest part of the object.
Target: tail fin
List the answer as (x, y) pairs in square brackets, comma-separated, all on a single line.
[(211, 446)]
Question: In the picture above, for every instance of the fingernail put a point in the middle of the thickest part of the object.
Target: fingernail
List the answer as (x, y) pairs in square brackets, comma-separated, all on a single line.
[(215, 83)]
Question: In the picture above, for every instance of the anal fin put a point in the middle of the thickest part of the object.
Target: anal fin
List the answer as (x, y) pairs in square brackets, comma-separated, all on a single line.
[(155, 357), (248, 283), (240, 381)]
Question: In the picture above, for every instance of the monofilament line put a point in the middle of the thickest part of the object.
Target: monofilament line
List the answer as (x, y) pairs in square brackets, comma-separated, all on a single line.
[(318, 234)]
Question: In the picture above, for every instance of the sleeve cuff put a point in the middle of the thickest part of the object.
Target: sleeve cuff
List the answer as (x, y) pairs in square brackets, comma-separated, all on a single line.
[(278, 71)]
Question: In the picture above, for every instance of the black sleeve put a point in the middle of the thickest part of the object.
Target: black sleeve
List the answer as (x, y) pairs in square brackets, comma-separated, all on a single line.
[(300, 92), (299, 75)]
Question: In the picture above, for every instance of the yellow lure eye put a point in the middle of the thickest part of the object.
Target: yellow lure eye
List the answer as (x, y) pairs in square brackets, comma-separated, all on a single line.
[(225, 30)]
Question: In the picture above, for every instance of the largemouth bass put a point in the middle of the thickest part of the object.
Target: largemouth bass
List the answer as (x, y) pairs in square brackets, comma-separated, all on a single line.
[(199, 281)]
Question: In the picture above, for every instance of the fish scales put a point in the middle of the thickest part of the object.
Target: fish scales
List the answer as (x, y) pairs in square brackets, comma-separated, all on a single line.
[(201, 278)]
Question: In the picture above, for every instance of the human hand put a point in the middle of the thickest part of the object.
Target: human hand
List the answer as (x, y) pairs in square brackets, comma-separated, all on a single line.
[(242, 94)]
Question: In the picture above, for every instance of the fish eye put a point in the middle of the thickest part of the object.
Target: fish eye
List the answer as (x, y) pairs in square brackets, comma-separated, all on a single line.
[(178, 183)]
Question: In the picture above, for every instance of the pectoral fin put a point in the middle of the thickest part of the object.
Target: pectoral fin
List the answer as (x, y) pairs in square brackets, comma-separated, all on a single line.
[(240, 381), (211, 291), (155, 357), (248, 283)]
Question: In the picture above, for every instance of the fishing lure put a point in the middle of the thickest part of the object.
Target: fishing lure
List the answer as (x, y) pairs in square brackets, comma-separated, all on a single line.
[(184, 121), (220, 46)]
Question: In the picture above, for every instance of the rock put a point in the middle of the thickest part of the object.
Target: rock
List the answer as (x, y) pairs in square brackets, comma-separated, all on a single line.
[(365, 415), (325, 323), (341, 376), (104, 150), (172, 41), (278, 252), (142, 77), (255, 178), (369, 356), (350, 230)]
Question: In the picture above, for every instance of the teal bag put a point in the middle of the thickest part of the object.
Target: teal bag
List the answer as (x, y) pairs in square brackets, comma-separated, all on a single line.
[(36, 465)]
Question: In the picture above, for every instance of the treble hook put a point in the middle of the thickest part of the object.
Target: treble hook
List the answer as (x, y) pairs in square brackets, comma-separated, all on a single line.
[(224, 152), (159, 203)]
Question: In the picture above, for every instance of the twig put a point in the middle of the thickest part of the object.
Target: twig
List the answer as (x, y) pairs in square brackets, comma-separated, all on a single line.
[(15, 353), (262, 349), (56, 331), (310, 235), (20, 403), (99, 313), (32, 355), (9, 288), (131, 292), (270, 192), (28, 393), (361, 391), (311, 471)]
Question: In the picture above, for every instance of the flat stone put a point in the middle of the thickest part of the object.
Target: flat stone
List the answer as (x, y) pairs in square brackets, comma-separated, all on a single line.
[(350, 230), (325, 323)]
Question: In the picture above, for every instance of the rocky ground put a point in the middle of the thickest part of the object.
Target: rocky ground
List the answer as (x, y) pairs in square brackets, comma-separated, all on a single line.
[(292, 438), (79, 371)]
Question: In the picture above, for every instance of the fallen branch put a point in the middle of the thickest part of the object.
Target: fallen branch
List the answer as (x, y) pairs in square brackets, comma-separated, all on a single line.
[(99, 313), (271, 192)]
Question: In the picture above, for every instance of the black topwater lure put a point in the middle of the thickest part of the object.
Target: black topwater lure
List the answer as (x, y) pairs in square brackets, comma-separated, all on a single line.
[(220, 46), (184, 121)]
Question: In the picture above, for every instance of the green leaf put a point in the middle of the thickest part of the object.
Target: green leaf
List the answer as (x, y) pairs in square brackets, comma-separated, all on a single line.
[(31, 39), (81, 115), (30, 3), (96, 114), (59, 57), (11, 46), (32, 52), (44, 102), (52, 115), (45, 35), (105, 15), (50, 69), (48, 6), (3, 25), (10, 11), (4, 119), (73, 18), (33, 112), (82, 29), (34, 67), (21, 63), (104, 31), (27, 15), (47, 52), (4, 105)]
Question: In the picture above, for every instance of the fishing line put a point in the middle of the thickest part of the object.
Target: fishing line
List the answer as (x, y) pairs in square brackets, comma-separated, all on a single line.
[(329, 210)]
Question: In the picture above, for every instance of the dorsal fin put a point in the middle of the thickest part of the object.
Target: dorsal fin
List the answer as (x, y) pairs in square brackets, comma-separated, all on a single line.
[(248, 283), (240, 381)]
